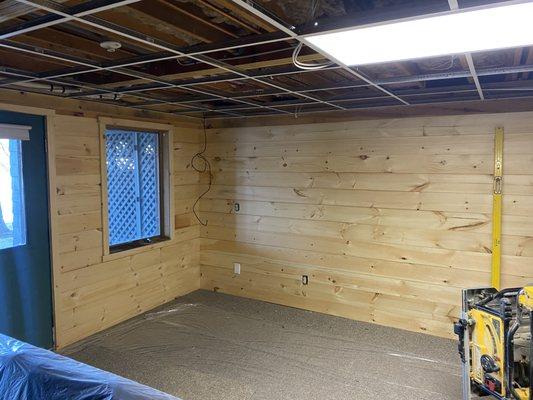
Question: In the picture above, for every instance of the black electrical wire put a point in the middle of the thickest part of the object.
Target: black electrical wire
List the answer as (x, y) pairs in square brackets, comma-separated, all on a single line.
[(206, 167)]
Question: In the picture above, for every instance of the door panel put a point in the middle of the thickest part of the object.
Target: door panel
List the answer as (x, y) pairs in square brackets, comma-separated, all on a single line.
[(25, 268)]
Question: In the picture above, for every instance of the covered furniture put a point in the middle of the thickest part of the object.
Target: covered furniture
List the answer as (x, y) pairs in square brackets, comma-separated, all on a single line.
[(29, 372)]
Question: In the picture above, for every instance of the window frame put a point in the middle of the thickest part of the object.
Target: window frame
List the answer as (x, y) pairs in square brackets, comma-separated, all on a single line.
[(166, 192), (22, 195)]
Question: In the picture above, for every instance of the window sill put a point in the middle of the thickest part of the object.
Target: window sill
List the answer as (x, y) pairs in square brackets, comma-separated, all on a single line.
[(136, 250)]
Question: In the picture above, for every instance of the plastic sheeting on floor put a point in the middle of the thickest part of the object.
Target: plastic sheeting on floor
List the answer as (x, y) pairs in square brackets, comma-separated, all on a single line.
[(211, 346), (30, 373)]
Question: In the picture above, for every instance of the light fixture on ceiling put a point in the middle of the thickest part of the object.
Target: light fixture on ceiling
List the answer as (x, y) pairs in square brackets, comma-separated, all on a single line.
[(480, 29), (110, 45)]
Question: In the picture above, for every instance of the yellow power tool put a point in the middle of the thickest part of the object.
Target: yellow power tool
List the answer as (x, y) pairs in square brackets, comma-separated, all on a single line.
[(495, 343)]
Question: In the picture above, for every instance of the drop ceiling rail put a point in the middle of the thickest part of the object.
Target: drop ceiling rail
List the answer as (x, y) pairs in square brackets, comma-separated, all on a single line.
[(163, 51)]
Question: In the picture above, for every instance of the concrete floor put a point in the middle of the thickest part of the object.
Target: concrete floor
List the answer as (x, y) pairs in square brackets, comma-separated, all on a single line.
[(208, 346)]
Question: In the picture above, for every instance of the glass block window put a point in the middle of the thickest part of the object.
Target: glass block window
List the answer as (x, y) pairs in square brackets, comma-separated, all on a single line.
[(133, 185), (12, 212)]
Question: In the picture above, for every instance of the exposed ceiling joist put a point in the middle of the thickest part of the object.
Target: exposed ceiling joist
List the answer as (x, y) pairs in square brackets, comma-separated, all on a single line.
[(101, 24), (233, 67), (83, 10)]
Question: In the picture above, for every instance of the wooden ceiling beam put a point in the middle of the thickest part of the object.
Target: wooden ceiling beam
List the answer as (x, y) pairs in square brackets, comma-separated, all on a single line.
[(192, 11), (517, 59), (145, 24), (235, 9), (464, 64), (218, 71), (178, 21), (229, 16), (361, 91), (439, 108), (529, 60), (10, 9), (20, 60), (409, 68), (303, 81), (68, 43), (327, 81)]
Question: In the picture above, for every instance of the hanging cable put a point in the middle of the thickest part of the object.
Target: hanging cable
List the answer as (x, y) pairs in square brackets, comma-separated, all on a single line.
[(443, 64), (205, 167), (304, 65), (314, 7)]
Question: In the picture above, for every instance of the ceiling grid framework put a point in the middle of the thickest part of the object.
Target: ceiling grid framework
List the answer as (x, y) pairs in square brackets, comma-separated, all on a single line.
[(233, 66), (162, 46), (45, 5)]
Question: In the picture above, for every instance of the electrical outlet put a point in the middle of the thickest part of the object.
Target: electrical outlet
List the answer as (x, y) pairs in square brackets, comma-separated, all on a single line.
[(237, 268), (305, 280)]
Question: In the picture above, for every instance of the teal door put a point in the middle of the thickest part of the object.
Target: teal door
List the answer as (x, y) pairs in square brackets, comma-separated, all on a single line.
[(25, 272)]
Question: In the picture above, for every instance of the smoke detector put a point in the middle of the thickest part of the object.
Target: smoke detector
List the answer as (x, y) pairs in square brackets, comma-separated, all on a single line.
[(110, 45)]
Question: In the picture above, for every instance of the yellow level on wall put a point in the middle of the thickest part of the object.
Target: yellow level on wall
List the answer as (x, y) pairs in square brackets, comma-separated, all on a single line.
[(497, 208)]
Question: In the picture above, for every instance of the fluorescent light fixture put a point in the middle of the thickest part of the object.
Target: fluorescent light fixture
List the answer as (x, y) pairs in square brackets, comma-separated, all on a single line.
[(492, 28)]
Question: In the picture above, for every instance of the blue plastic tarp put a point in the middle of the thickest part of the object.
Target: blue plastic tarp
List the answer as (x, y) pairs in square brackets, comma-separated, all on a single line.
[(31, 373)]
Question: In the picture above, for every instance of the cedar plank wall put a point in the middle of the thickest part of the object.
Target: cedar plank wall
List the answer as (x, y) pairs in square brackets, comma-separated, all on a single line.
[(389, 218), (91, 295)]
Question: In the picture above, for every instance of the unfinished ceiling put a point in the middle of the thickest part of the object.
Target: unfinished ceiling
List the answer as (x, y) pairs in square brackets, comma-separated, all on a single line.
[(226, 59)]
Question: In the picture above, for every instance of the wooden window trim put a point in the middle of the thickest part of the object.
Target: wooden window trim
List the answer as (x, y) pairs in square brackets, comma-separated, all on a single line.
[(167, 178)]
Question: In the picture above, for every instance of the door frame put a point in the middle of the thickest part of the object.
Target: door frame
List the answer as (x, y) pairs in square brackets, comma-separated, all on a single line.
[(49, 115)]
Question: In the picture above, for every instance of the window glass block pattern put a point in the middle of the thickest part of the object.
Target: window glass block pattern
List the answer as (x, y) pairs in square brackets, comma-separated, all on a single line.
[(149, 184), (132, 160)]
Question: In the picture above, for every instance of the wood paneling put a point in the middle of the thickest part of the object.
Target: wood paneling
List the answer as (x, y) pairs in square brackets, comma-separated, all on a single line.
[(92, 294), (388, 218)]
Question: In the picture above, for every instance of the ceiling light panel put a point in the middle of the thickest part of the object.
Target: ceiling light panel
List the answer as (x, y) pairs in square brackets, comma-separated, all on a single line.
[(492, 28)]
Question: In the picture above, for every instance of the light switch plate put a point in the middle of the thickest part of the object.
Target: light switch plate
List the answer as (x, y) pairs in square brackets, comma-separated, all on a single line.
[(237, 268)]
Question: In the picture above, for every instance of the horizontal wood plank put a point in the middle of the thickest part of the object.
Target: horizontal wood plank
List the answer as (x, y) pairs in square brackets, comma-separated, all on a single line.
[(389, 218), (92, 294)]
